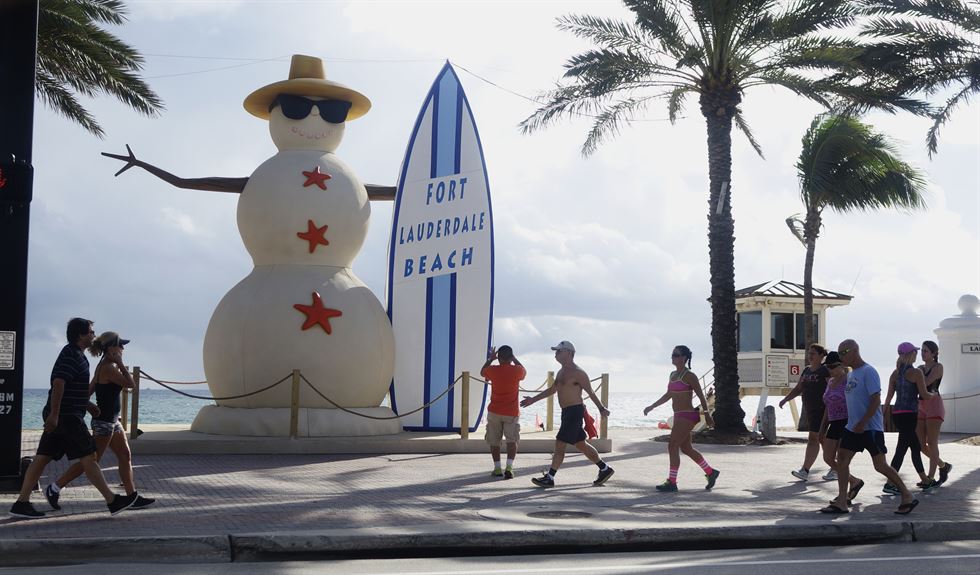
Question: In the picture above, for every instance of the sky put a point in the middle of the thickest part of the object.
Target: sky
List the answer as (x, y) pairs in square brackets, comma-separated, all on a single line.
[(608, 251)]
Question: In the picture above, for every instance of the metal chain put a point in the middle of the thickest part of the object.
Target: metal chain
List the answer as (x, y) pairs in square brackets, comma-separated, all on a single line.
[(155, 380), (336, 405)]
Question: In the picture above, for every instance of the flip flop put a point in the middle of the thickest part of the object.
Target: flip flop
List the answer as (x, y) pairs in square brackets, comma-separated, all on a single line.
[(853, 492), (906, 508), (833, 509)]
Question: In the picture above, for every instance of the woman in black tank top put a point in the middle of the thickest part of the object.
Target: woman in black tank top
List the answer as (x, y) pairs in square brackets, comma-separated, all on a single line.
[(110, 378), (931, 416)]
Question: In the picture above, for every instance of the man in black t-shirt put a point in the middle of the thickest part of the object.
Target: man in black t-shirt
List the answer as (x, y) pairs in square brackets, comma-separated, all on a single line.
[(65, 432)]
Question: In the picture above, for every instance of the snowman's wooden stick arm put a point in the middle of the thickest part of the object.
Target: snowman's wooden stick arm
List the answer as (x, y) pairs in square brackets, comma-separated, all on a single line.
[(213, 184), (380, 193)]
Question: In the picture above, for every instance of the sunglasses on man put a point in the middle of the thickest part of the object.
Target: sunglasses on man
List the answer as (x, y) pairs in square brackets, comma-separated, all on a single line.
[(297, 107)]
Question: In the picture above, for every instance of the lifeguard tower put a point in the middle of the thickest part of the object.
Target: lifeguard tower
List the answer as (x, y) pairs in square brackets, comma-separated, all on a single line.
[(771, 343)]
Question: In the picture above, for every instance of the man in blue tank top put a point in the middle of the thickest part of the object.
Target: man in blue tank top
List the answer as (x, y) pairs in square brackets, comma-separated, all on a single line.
[(864, 430)]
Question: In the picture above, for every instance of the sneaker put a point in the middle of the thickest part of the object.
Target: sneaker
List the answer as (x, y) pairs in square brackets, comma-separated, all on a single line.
[(508, 473), (498, 472), (929, 484), (544, 481), (925, 482), (25, 510), (604, 474), (944, 473), (891, 489), (712, 477), (142, 502), (121, 503), (52, 497), (667, 486), (830, 476), (801, 474)]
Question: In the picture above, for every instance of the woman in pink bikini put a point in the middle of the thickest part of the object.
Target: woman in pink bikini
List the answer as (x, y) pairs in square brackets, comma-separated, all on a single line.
[(681, 387)]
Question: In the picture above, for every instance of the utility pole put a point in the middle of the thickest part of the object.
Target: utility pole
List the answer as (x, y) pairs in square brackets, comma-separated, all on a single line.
[(18, 54)]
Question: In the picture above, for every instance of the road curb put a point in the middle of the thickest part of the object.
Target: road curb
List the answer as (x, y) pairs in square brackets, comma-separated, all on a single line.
[(466, 538), (175, 549)]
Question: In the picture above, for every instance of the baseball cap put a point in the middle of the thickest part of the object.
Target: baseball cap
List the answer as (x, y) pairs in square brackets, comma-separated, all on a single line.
[(906, 347), (832, 359), (564, 346)]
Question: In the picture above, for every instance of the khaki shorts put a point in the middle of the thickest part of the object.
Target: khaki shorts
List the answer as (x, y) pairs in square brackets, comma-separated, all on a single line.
[(499, 426)]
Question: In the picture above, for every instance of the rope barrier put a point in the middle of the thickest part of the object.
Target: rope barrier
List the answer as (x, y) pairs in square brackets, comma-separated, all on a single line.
[(336, 405), (155, 380)]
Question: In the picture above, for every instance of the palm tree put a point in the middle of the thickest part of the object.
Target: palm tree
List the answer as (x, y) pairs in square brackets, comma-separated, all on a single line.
[(845, 166), (715, 50), (76, 56), (927, 46)]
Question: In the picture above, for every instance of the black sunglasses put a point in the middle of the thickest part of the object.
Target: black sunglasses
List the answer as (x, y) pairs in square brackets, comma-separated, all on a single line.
[(297, 107)]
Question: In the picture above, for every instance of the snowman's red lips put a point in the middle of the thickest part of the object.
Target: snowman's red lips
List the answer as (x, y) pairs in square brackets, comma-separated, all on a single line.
[(308, 136)]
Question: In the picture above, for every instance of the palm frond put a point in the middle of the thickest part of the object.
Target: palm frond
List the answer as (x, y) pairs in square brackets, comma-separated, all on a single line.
[(743, 127), (943, 114)]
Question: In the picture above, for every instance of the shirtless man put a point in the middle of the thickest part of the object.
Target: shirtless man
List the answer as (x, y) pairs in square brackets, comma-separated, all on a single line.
[(570, 382)]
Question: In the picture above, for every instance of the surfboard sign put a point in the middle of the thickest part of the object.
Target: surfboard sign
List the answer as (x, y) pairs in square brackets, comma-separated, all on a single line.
[(440, 263)]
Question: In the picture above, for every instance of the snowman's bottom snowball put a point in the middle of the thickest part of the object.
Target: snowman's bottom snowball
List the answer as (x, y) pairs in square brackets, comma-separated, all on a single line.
[(274, 422)]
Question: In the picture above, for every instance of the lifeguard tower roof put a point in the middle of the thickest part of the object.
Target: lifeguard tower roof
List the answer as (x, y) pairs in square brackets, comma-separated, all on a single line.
[(783, 288)]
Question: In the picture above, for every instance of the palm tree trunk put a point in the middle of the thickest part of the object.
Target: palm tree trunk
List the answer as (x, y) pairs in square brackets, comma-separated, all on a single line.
[(718, 111), (811, 230)]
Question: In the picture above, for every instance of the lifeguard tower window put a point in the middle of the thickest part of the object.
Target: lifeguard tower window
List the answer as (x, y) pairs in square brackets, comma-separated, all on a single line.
[(801, 329), (750, 331), (787, 330), (781, 327)]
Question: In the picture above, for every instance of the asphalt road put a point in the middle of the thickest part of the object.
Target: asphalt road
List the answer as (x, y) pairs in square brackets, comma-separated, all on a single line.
[(956, 558)]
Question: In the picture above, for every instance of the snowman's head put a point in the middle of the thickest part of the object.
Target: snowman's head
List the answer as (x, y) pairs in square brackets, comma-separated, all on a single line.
[(307, 123)]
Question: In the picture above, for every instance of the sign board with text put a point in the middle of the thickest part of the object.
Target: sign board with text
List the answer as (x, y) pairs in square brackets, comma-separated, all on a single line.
[(777, 370)]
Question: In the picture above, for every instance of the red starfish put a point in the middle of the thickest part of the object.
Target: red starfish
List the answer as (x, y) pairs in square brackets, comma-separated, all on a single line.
[(316, 177), (316, 314), (314, 235)]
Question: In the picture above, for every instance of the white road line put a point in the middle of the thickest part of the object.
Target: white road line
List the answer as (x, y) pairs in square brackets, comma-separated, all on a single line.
[(662, 566)]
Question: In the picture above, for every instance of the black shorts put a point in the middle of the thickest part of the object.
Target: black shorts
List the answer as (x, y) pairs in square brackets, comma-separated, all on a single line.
[(836, 429), (70, 438), (873, 441), (810, 419), (572, 422)]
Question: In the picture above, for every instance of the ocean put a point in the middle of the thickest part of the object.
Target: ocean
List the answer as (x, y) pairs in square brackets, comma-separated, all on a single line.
[(164, 406)]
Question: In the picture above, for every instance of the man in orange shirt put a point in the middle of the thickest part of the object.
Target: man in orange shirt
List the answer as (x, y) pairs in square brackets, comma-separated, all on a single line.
[(503, 415)]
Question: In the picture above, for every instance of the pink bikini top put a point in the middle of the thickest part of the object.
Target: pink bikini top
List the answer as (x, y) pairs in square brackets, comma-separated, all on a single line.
[(678, 384)]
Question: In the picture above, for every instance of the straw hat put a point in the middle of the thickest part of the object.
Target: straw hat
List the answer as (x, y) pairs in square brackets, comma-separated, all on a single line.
[(306, 78)]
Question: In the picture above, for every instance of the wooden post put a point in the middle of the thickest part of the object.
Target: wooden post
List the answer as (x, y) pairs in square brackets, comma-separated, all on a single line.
[(294, 407), (136, 404), (604, 398), (124, 416), (550, 418), (796, 414), (464, 407)]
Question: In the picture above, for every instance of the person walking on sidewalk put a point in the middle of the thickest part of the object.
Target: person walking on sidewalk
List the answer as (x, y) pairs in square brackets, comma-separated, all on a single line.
[(812, 384), (932, 412), (864, 430), (835, 414), (907, 385), (570, 382), (682, 384), (503, 414), (65, 432), (111, 377)]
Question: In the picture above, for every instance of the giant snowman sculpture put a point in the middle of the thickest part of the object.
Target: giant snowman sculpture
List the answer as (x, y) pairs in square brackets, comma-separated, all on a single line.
[(303, 216)]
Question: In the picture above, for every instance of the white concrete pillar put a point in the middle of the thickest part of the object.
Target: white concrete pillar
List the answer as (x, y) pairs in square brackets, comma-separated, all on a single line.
[(959, 352)]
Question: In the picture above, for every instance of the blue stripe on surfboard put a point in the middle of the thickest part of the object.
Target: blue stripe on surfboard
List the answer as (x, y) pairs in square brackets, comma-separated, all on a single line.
[(439, 335), (445, 148)]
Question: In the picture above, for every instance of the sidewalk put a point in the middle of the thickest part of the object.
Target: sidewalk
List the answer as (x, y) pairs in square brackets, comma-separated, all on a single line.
[(246, 507)]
